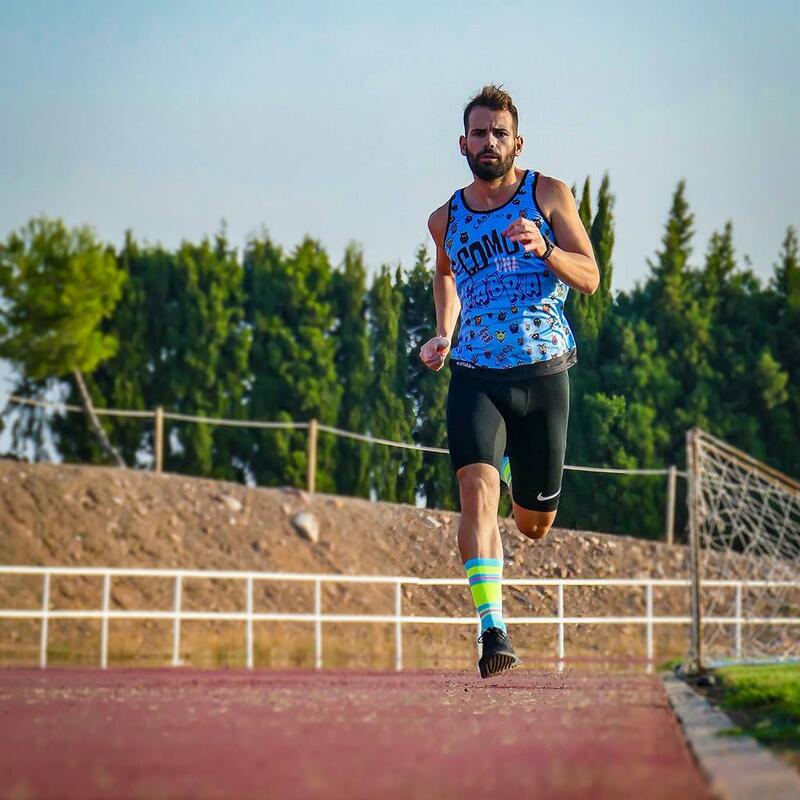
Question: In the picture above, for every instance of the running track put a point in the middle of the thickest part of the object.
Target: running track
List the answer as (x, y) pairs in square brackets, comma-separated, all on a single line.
[(182, 733)]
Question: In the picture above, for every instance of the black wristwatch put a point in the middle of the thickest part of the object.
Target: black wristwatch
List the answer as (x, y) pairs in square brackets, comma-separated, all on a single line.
[(548, 249)]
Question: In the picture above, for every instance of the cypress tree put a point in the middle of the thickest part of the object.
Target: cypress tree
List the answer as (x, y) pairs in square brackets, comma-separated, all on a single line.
[(411, 462), (352, 360), (598, 417), (602, 234), (393, 470), (206, 352), (575, 306), (428, 389), (292, 359), (585, 205)]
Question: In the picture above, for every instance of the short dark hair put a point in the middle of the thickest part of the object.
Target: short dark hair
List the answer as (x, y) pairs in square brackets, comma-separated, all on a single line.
[(494, 98)]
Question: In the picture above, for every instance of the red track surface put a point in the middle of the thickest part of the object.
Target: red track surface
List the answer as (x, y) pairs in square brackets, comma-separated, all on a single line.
[(192, 734)]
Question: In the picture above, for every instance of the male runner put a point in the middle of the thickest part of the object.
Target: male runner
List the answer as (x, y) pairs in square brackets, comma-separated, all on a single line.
[(508, 246)]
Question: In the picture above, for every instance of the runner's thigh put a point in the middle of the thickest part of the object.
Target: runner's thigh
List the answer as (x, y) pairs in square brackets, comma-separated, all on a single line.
[(476, 432), (537, 443)]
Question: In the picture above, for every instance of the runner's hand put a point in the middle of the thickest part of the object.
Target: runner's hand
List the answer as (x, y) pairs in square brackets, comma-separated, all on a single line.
[(527, 233), (433, 352)]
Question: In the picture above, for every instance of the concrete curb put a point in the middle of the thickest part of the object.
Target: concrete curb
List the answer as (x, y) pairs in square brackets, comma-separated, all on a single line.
[(737, 767)]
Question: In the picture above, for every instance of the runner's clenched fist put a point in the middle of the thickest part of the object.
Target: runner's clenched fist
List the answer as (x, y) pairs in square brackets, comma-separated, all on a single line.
[(433, 352), (527, 233)]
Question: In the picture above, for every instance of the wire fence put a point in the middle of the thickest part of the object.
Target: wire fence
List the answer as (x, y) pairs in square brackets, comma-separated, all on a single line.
[(159, 417), (748, 515)]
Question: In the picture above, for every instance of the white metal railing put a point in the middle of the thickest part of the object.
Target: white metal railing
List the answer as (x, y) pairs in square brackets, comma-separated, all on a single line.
[(249, 616)]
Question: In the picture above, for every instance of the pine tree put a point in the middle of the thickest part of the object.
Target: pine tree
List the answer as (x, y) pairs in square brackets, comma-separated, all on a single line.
[(720, 264), (726, 351), (783, 429), (682, 320), (672, 261), (135, 377), (786, 281), (58, 286)]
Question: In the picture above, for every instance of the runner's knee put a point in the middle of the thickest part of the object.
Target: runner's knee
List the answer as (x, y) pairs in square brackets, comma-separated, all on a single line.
[(532, 530), (479, 487)]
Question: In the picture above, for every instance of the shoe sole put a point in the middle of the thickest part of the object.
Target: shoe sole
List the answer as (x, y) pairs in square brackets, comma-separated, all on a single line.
[(496, 664)]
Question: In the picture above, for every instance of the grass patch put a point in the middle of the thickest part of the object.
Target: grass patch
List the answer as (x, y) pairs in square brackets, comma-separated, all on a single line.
[(765, 701)]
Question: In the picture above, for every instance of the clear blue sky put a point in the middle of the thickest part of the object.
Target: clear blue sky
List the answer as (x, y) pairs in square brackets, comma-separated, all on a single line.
[(341, 120)]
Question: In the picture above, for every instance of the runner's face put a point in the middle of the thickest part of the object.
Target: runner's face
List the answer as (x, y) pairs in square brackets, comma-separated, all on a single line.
[(490, 132)]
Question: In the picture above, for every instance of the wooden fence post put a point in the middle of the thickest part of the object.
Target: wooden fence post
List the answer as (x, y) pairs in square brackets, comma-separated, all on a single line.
[(671, 504), (311, 476), (693, 501), (159, 439)]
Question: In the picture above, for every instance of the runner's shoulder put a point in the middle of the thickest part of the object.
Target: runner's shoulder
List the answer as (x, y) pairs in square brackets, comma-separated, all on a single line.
[(437, 222), (551, 192)]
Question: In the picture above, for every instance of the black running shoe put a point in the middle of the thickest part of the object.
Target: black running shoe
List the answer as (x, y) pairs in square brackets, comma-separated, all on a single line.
[(497, 654)]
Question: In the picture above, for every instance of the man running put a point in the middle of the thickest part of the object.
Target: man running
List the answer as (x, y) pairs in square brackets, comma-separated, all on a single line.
[(508, 247)]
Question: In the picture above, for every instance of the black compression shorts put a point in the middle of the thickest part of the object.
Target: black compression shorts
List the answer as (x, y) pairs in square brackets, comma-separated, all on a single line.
[(525, 418)]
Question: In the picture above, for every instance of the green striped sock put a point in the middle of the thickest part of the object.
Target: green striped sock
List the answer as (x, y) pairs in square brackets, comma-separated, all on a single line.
[(505, 470), (484, 576)]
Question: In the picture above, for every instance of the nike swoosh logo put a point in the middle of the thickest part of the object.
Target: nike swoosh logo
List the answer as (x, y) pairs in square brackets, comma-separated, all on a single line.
[(549, 497)]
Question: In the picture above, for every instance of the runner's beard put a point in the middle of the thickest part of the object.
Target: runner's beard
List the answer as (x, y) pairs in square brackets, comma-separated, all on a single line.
[(490, 170)]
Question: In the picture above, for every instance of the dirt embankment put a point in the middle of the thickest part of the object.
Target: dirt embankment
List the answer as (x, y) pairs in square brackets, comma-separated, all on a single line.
[(54, 514)]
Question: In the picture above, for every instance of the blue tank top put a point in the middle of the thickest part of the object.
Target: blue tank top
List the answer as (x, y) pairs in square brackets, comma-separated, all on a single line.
[(512, 304)]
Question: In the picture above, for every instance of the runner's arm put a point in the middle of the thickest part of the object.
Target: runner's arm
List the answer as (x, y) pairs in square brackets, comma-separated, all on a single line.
[(572, 260), (445, 296)]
